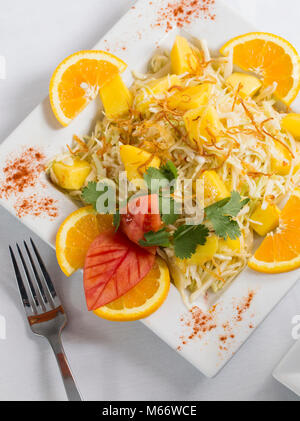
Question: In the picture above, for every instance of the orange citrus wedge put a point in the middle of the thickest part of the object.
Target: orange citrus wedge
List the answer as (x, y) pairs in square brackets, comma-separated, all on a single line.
[(280, 250), (75, 236), (142, 300), (269, 56), (77, 79)]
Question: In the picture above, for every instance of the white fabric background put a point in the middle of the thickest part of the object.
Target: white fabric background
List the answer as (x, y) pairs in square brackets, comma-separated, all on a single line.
[(133, 363)]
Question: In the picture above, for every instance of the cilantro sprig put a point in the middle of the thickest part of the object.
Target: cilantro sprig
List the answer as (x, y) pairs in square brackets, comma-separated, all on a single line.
[(161, 181), (159, 238), (187, 238), (221, 215)]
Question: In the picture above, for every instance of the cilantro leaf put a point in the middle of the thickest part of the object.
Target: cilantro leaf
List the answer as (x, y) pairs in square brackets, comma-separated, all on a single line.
[(158, 238), (168, 209), (116, 220), (187, 238), (221, 215), (169, 171), (155, 180), (90, 193)]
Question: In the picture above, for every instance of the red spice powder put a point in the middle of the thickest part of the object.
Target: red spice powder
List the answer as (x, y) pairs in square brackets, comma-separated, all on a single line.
[(22, 172), (36, 206), (182, 12), (244, 305), (199, 323)]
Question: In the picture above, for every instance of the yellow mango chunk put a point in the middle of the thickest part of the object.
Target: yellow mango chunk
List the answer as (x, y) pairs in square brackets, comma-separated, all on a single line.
[(291, 123), (116, 97), (249, 84), (183, 58), (205, 252), (155, 87), (265, 220), (191, 97), (281, 159), (70, 177), (214, 187), (136, 161), (210, 123), (229, 243)]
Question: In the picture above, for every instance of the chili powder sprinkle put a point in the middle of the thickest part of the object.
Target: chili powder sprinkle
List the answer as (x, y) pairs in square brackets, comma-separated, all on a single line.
[(36, 206), (182, 12), (22, 172)]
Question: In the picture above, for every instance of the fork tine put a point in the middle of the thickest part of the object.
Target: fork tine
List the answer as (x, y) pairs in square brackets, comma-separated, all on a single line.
[(23, 293), (46, 275), (31, 287), (45, 301)]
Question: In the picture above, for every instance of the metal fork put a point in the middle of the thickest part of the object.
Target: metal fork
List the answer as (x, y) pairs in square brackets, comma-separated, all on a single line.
[(44, 311)]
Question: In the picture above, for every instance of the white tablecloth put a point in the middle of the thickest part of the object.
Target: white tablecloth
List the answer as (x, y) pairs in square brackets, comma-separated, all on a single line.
[(133, 363)]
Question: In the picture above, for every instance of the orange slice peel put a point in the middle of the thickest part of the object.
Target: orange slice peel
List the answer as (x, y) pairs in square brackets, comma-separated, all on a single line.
[(280, 250), (77, 79), (269, 56)]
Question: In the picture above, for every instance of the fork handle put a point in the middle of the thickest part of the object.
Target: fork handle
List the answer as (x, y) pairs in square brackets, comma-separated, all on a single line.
[(65, 371)]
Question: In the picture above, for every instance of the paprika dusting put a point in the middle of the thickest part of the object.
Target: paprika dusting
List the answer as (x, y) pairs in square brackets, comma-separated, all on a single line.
[(182, 12), (22, 172)]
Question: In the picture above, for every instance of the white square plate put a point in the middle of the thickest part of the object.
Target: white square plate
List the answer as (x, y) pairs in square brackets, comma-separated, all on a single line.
[(134, 39)]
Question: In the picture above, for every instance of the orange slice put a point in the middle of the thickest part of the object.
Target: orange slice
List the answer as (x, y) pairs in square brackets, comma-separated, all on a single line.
[(77, 79), (280, 250), (269, 56), (75, 236), (142, 300)]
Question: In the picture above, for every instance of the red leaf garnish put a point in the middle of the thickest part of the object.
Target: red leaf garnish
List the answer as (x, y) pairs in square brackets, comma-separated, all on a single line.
[(142, 216), (113, 266)]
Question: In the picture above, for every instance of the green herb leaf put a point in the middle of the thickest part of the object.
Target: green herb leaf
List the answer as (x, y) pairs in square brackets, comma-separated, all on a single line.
[(116, 220), (159, 238), (169, 171), (168, 209), (221, 215), (187, 238), (90, 193), (155, 180)]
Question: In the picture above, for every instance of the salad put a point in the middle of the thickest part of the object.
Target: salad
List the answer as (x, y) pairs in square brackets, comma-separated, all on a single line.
[(185, 168)]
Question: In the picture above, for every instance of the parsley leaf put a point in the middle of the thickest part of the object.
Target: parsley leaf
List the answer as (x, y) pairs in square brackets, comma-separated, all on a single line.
[(187, 238), (221, 215), (158, 238)]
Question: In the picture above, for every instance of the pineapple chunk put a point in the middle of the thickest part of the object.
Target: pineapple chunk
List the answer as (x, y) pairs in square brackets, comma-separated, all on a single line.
[(265, 220), (205, 252), (214, 187), (183, 58), (229, 243), (191, 97), (250, 84), (291, 123), (70, 177), (116, 97), (155, 87), (136, 161), (281, 159)]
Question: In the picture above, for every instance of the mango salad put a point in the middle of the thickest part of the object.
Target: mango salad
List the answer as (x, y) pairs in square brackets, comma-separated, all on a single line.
[(197, 117)]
